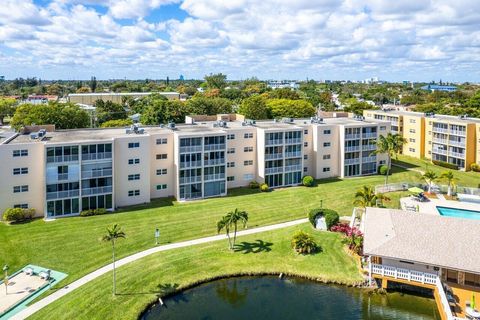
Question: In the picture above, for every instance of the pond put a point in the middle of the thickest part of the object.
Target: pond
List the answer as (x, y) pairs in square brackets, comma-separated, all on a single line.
[(289, 298)]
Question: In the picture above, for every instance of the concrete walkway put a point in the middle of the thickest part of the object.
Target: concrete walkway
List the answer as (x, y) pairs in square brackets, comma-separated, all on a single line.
[(134, 257)]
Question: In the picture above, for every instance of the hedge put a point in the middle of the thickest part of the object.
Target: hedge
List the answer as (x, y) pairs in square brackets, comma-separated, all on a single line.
[(382, 170), (93, 212), (331, 216), (18, 214), (264, 187), (475, 167), (254, 184), (445, 164), (308, 181)]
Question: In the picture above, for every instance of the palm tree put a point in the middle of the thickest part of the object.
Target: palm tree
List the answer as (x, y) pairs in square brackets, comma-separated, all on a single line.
[(429, 176), (450, 178), (366, 197), (112, 235), (231, 219), (391, 145)]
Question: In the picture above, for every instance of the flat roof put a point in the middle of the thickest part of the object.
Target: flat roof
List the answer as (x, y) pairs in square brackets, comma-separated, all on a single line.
[(399, 112), (423, 238), (6, 134), (442, 117)]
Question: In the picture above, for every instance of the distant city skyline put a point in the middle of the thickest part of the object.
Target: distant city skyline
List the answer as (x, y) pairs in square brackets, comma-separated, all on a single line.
[(322, 40)]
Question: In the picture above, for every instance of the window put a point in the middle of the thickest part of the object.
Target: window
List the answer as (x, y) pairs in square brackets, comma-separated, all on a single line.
[(383, 128), (20, 153), (305, 169), (248, 135), (248, 177), (230, 164), (230, 150), (133, 177), (411, 130), (248, 149), (327, 144), (248, 163), (327, 131), (305, 144), (17, 189), (133, 193), (22, 206), (411, 149), (382, 162), (231, 178), (161, 156), (161, 186), (326, 169), (231, 136), (161, 172), (413, 121), (412, 140), (305, 157), (17, 171), (326, 156), (162, 141), (134, 161), (132, 145), (305, 131)]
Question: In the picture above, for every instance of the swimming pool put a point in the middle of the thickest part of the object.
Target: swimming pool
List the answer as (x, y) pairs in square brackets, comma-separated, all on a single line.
[(459, 213)]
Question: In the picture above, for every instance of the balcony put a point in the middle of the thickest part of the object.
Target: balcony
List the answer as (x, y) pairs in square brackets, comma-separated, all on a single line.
[(458, 132), (64, 158), (352, 148), (273, 170), (457, 143), (105, 172), (273, 156), (97, 190), (192, 179), (352, 161), (354, 136), (369, 135), (456, 154), (440, 130), (293, 141), (296, 167), (191, 149), (404, 274), (62, 194), (273, 142), (218, 176), (441, 141), (190, 164), (96, 156), (213, 147), (296, 154), (214, 162), (369, 147), (439, 151), (369, 159)]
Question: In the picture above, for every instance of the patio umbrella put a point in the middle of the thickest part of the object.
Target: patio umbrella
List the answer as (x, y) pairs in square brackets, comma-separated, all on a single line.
[(472, 304), (416, 190)]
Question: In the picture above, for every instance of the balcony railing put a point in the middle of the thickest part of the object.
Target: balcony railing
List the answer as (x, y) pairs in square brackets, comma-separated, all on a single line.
[(369, 135), (210, 147), (97, 190), (273, 142), (190, 164), (441, 130), (191, 149), (456, 143), (273, 156), (296, 167), (458, 132), (105, 172), (192, 179), (62, 194), (369, 159), (217, 176), (352, 148), (214, 162), (295, 154), (293, 141), (456, 154), (64, 158), (273, 170), (352, 161), (352, 136), (439, 151), (442, 141), (97, 156), (369, 147), (405, 274)]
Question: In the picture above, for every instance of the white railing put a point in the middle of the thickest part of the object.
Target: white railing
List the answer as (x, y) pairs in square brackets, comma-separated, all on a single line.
[(457, 143), (214, 162), (192, 179), (369, 159), (456, 154), (273, 142), (97, 190), (296, 167), (442, 141), (352, 161), (96, 173), (97, 156), (441, 130), (370, 135), (296, 154), (440, 151), (404, 274), (369, 147), (62, 194), (458, 132), (392, 187), (444, 300), (352, 148), (273, 170), (218, 176), (190, 164), (210, 147), (352, 136), (273, 156), (64, 158), (293, 141), (190, 149)]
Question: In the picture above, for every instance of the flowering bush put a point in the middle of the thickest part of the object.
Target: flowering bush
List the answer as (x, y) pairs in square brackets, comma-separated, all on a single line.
[(353, 237)]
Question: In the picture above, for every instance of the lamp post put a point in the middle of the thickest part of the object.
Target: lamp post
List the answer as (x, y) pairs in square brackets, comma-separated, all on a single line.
[(157, 235), (5, 270), (321, 204)]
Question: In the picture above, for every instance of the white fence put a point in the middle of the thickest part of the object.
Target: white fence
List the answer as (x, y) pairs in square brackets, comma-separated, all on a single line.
[(404, 274), (403, 186)]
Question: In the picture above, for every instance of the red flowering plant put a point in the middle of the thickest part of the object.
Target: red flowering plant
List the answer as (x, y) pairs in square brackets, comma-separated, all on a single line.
[(353, 237)]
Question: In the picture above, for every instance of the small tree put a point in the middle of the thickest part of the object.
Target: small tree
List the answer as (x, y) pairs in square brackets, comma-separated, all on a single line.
[(230, 220), (450, 178), (303, 243), (430, 176), (308, 181), (390, 145), (366, 197), (112, 235)]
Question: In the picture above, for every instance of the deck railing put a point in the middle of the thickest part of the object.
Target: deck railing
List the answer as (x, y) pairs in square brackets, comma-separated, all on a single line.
[(404, 274)]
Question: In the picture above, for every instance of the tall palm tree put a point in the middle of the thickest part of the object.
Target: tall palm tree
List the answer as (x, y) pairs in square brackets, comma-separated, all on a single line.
[(366, 197), (391, 145), (231, 219), (450, 178), (112, 235), (429, 176)]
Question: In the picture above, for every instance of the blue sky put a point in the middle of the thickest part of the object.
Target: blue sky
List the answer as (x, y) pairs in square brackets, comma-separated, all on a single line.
[(282, 39)]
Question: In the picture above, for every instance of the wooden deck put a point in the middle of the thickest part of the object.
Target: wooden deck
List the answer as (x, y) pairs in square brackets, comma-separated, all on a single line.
[(463, 294)]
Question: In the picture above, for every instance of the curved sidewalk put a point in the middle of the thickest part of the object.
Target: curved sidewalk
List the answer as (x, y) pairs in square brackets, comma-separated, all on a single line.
[(139, 255)]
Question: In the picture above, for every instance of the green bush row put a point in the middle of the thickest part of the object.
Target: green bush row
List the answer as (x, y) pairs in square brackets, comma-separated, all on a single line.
[(93, 212), (18, 214), (445, 164)]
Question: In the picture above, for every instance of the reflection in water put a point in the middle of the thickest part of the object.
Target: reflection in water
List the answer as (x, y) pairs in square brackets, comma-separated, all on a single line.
[(272, 298)]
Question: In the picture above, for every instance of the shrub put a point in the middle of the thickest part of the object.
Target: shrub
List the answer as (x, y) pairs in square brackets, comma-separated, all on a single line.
[(18, 214), (264, 187), (331, 216), (475, 167), (254, 184), (304, 243), (308, 181), (382, 170), (312, 215), (93, 212), (445, 164)]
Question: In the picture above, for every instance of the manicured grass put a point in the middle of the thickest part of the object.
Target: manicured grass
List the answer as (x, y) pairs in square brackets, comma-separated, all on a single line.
[(140, 282), (73, 245), (465, 179)]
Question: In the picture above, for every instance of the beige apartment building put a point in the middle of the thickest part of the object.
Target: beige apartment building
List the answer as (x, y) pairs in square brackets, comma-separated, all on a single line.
[(62, 173)]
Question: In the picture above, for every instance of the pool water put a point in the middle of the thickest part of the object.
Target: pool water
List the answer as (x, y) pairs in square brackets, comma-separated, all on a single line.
[(459, 213), (290, 298)]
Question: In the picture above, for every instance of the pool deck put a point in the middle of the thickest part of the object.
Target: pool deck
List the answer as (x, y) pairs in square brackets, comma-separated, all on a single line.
[(430, 207)]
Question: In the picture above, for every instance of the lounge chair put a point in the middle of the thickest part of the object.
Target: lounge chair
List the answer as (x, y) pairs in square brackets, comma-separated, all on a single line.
[(44, 274), (28, 271), (471, 313)]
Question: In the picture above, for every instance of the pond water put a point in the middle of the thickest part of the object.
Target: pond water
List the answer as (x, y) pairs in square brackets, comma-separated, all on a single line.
[(290, 298)]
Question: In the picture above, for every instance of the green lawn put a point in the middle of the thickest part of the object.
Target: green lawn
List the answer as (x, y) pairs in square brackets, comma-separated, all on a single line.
[(465, 179), (140, 282)]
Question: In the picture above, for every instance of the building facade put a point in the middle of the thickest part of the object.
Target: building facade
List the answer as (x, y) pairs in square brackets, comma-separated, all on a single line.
[(62, 173)]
